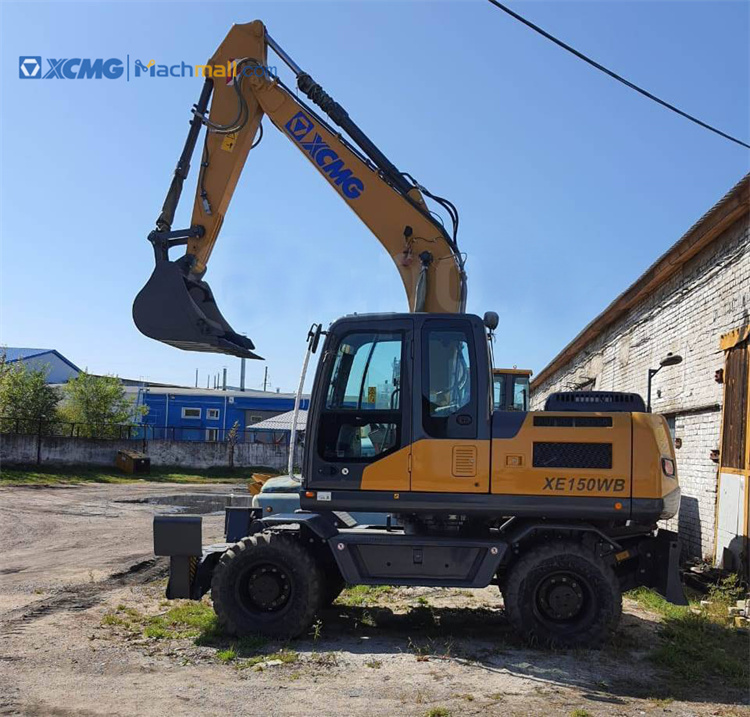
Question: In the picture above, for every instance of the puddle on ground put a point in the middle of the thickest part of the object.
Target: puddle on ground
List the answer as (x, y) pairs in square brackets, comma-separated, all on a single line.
[(198, 503)]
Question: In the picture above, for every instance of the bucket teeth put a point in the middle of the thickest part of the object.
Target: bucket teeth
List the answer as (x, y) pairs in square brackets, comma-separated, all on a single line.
[(182, 312)]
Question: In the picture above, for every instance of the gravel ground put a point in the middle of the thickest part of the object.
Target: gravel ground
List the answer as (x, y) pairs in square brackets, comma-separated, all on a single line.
[(75, 555)]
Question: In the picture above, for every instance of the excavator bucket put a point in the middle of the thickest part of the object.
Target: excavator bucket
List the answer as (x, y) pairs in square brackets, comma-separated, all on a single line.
[(182, 312)]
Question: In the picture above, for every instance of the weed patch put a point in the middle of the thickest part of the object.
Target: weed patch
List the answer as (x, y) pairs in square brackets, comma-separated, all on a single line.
[(699, 651), (438, 712), (227, 655), (189, 619), (430, 647), (198, 621), (363, 595), (698, 647), (284, 656), (324, 659)]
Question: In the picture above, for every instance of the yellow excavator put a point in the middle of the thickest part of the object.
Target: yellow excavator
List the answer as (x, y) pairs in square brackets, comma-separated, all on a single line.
[(558, 508)]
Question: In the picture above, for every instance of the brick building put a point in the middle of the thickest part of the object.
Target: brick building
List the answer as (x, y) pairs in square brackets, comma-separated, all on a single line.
[(694, 294)]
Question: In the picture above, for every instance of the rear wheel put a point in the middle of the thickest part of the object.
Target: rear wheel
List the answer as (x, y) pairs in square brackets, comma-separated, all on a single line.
[(562, 594), (266, 584)]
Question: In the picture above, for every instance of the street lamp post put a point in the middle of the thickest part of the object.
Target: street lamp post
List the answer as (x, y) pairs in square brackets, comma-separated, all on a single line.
[(669, 360)]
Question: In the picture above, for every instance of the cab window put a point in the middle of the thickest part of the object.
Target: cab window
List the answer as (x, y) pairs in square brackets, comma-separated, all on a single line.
[(448, 384), (362, 416), (521, 393), (498, 387)]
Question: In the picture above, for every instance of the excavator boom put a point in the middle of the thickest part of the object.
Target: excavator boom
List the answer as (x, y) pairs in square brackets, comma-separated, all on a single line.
[(176, 305)]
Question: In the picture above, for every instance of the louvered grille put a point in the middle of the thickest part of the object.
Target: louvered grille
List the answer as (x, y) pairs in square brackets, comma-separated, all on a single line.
[(609, 401), (574, 421), (464, 461), (572, 455)]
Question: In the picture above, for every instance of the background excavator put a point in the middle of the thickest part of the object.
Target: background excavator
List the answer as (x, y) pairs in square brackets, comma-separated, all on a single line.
[(511, 389), (558, 508)]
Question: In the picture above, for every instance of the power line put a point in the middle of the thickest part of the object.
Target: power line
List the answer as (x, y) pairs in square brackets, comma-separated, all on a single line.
[(614, 75)]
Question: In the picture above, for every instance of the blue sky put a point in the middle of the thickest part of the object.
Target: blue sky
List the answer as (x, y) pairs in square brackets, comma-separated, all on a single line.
[(569, 185)]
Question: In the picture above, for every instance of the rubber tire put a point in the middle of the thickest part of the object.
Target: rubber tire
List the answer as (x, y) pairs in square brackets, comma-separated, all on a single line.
[(600, 617), (296, 617)]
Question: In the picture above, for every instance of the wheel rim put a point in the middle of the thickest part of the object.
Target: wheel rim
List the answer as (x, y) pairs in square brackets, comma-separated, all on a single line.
[(562, 597), (264, 588)]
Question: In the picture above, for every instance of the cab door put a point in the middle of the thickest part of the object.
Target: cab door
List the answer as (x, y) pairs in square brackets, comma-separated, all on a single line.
[(451, 449), (361, 440)]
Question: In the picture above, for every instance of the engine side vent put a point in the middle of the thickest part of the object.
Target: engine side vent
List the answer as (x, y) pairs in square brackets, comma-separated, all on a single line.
[(572, 455), (574, 421), (608, 401), (464, 461)]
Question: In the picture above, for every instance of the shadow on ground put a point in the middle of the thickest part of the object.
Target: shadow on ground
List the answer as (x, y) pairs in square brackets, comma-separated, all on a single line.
[(642, 660)]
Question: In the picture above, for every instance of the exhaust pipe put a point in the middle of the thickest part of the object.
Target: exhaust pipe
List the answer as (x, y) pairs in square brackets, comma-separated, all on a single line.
[(181, 311)]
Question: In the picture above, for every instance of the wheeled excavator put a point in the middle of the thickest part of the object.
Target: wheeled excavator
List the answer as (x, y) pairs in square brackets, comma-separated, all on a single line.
[(558, 508)]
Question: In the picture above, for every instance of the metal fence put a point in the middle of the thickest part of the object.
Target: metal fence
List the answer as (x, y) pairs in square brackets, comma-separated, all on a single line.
[(141, 432)]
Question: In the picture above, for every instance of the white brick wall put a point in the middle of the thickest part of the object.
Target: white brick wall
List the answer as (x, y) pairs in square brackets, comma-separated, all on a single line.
[(709, 296)]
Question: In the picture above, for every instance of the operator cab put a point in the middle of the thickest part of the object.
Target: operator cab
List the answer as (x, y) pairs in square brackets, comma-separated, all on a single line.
[(510, 389), (392, 393)]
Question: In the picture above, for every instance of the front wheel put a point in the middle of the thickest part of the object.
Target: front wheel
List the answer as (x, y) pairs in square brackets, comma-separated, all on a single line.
[(561, 594), (267, 584)]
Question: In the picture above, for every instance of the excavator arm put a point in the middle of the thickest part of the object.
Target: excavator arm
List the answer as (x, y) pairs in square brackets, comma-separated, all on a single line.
[(176, 305)]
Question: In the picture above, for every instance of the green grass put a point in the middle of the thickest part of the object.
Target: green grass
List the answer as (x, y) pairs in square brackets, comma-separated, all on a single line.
[(286, 656), (696, 651), (363, 595), (227, 655), (699, 646), (438, 712), (113, 620), (656, 603), (197, 621), (71, 475), (189, 619)]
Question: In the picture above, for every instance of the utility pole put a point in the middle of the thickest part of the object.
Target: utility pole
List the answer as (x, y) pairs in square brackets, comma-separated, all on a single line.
[(242, 374), (196, 378), (265, 378), (224, 379)]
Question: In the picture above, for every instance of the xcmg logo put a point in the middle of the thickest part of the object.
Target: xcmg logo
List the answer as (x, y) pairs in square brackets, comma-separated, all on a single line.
[(300, 128), (75, 68), (29, 67)]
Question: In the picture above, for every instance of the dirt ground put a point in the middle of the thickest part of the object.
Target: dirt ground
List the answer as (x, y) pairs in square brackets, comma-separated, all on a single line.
[(74, 555)]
